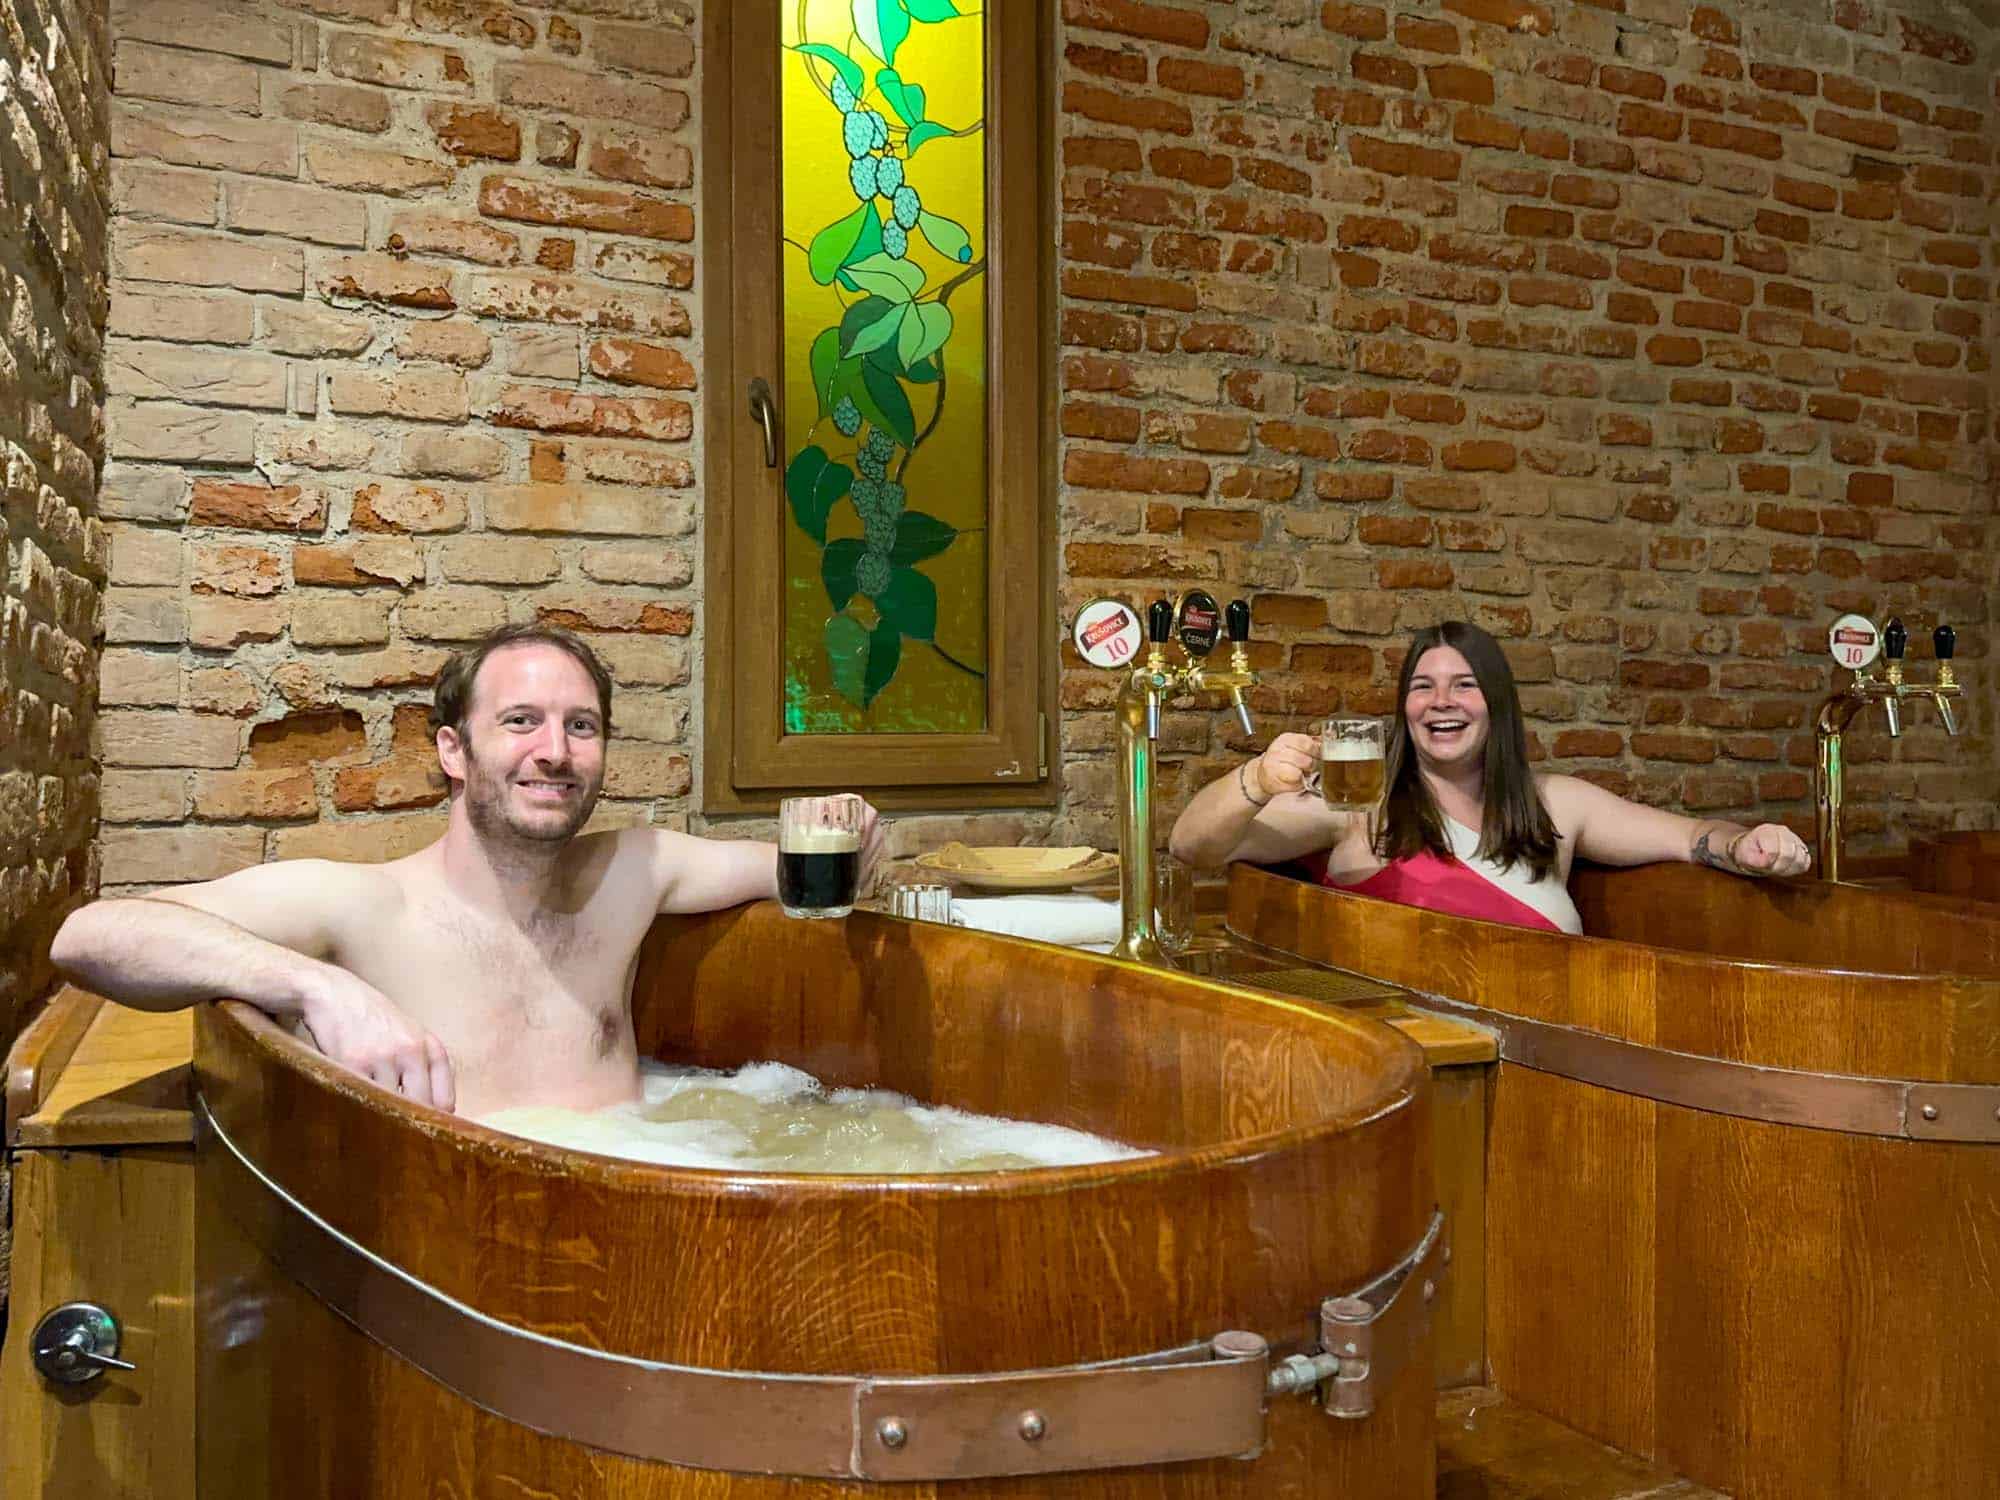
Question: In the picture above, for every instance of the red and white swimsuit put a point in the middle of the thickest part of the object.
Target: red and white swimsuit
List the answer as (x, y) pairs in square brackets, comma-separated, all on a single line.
[(1466, 886)]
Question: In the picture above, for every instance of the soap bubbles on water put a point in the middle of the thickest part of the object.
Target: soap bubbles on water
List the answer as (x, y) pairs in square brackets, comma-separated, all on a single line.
[(768, 1117)]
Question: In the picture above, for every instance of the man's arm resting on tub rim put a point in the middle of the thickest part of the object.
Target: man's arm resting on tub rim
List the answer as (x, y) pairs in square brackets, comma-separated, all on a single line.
[(259, 935)]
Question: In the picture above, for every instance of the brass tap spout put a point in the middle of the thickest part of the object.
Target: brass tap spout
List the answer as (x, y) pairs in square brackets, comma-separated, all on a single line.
[(1837, 713), (1138, 709)]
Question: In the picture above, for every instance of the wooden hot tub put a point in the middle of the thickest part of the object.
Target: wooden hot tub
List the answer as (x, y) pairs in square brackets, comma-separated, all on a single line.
[(1743, 1156), (647, 1331), (1957, 864)]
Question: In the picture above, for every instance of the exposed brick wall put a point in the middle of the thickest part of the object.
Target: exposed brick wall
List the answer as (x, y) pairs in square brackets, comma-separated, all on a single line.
[(52, 303), (1650, 335), (1650, 339), (402, 346)]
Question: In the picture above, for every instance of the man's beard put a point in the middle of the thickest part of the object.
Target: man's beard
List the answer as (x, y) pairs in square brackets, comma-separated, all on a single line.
[(490, 808)]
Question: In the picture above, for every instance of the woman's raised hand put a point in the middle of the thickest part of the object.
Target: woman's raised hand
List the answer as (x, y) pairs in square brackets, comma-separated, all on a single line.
[(1284, 767)]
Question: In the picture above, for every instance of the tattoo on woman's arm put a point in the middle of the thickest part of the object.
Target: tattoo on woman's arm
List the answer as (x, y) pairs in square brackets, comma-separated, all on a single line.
[(1715, 859)]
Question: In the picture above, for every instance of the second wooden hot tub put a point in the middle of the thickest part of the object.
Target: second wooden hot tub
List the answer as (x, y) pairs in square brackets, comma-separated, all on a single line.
[(399, 1304), (1743, 1166)]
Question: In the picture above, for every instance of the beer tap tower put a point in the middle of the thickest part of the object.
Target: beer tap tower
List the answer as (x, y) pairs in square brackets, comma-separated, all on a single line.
[(1855, 644), (1145, 688)]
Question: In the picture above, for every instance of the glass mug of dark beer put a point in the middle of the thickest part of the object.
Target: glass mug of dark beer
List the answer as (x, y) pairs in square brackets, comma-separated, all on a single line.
[(819, 855), (1350, 764)]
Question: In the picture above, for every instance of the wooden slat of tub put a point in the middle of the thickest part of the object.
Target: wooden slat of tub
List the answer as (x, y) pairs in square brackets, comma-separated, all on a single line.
[(1860, 1316), (127, 1083), (1816, 923), (115, 1227), (1458, 1166), (1570, 1264)]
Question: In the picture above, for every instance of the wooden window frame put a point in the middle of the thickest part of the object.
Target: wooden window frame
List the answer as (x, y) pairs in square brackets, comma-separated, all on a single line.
[(748, 761)]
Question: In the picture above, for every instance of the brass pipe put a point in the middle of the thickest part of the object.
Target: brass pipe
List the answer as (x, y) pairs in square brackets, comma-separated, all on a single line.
[(1835, 715), (1138, 712)]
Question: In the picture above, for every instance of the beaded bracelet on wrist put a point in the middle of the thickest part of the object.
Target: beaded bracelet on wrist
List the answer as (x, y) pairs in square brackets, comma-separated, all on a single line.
[(1243, 785)]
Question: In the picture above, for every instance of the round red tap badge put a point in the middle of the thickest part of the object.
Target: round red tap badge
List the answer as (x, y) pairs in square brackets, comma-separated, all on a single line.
[(1107, 633), (1854, 641)]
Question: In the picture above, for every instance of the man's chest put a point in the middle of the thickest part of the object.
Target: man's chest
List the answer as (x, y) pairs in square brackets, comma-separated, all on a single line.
[(476, 980)]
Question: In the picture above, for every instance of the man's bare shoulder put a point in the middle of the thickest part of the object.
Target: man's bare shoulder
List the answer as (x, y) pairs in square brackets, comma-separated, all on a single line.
[(307, 905)]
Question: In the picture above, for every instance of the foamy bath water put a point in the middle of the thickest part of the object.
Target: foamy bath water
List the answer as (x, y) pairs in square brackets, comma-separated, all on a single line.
[(768, 1117)]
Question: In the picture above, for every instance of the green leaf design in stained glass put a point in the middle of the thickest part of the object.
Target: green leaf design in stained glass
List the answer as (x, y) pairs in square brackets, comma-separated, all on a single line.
[(814, 487), (906, 99), (909, 603), (881, 25), (886, 276), (836, 569), (875, 334), (849, 70), (926, 325), (885, 653), (825, 357), (882, 401), (932, 10), (843, 241), (847, 655), (947, 236), (919, 536), (921, 135)]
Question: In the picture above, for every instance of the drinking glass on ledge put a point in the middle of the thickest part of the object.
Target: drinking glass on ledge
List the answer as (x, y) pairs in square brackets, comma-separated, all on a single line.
[(819, 854)]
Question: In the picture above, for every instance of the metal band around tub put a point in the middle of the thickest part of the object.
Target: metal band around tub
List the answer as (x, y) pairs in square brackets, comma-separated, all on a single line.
[(1201, 1401), (1904, 1109)]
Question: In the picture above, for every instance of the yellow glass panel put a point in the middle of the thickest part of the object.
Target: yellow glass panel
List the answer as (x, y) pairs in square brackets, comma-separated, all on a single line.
[(884, 207)]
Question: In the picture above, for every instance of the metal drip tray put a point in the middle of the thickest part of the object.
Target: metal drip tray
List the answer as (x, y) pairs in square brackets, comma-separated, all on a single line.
[(1328, 986)]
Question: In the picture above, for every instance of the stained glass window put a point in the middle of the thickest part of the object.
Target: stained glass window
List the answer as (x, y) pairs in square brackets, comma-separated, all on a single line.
[(883, 203)]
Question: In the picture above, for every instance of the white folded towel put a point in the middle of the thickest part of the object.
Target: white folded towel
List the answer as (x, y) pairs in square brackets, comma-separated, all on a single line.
[(1071, 918)]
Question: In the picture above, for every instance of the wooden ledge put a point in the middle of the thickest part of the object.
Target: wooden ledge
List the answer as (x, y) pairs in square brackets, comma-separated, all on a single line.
[(127, 1082), (1490, 1447)]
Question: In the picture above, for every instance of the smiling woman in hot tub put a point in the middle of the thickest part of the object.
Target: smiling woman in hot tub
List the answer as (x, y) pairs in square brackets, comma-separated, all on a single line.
[(1465, 825)]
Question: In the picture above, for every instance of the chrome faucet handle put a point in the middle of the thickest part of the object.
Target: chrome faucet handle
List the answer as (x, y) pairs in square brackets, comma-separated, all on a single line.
[(1892, 709), (77, 1342)]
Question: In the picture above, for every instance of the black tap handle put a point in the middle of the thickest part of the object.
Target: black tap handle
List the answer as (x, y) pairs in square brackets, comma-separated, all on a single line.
[(1944, 641), (1895, 639), (1159, 621), (1238, 618)]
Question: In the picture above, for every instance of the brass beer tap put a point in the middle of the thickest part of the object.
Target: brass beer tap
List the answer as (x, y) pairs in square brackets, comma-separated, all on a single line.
[(1145, 688), (1854, 644)]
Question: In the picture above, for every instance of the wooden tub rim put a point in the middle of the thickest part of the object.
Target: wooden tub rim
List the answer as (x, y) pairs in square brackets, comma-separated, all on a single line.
[(1612, 1055), (1403, 1077)]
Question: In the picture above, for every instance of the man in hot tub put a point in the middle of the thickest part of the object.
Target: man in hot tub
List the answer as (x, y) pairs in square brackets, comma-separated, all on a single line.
[(491, 969)]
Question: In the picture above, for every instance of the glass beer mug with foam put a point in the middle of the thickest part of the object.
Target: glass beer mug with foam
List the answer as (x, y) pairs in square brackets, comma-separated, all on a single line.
[(1350, 764), (819, 855)]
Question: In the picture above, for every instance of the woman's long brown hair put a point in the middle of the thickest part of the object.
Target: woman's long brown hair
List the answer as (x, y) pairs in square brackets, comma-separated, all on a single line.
[(1515, 825)]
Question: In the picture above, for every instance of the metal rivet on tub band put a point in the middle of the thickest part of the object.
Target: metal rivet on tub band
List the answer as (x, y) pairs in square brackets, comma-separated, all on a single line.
[(891, 1432), (1032, 1426), (1930, 1111)]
